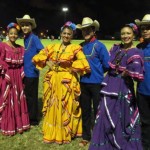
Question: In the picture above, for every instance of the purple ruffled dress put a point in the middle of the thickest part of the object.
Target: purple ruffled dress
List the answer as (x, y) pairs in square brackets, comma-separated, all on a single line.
[(117, 125)]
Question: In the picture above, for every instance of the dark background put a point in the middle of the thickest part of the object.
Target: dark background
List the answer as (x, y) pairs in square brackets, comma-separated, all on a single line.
[(49, 15)]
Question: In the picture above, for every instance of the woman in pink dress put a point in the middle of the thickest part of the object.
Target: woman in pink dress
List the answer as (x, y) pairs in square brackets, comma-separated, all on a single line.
[(13, 109)]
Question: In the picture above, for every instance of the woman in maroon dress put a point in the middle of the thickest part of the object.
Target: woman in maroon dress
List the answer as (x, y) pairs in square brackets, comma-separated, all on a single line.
[(13, 109)]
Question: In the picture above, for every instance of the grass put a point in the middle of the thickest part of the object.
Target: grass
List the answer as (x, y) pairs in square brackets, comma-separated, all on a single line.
[(32, 139)]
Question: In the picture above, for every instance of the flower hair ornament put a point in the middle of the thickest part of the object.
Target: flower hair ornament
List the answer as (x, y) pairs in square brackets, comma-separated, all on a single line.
[(134, 27), (69, 24), (13, 25)]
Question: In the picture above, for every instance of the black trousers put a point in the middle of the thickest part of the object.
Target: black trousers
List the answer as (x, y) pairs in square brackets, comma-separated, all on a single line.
[(143, 102), (31, 92), (90, 94)]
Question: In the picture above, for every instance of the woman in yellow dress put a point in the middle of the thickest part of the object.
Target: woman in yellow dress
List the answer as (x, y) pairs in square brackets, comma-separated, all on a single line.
[(62, 113)]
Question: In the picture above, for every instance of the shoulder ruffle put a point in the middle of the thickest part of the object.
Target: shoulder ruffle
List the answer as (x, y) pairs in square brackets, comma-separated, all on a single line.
[(10, 57), (41, 58), (81, 64), (135, 64)]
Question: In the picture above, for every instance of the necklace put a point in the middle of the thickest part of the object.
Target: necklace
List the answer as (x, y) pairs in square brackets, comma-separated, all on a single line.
[(58, 55), (117, 60), (120, 54), (63, 50), (29, 44)]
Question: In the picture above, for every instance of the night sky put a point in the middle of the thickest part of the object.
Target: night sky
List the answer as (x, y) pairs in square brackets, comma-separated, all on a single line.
[(48, 13)]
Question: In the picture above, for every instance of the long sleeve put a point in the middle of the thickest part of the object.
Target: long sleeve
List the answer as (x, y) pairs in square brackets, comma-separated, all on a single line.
[(104, 57), (3, 64), (135, 66), (41, 58), (38, 44)]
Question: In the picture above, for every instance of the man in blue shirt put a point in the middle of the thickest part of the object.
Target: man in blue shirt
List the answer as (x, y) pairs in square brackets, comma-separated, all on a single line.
[(98, 57), (143, 90), (32, 46)]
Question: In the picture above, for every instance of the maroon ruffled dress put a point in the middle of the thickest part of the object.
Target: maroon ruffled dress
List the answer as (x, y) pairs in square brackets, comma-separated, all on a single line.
[(13, 108)]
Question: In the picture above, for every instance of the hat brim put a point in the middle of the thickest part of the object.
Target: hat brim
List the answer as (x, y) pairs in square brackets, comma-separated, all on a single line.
[(95, 24), (139, 23), (32, 21)]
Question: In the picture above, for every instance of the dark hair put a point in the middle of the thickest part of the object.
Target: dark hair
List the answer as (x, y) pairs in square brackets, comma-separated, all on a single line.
[(133, 27), (66, 27)]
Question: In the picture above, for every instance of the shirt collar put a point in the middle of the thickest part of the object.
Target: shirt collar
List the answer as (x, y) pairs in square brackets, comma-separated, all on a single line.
[(25, 36), (93, 39)]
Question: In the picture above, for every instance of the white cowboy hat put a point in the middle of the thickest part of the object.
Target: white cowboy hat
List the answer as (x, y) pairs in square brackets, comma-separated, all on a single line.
[(88, 22), (145, 20), (26, 18)]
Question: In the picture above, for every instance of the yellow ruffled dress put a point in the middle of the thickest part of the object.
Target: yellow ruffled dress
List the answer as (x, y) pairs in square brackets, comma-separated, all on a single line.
[(61, 110)]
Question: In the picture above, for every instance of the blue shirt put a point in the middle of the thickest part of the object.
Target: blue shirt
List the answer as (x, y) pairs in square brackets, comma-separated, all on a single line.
[(98, 57), (32, 46), (144, 86)]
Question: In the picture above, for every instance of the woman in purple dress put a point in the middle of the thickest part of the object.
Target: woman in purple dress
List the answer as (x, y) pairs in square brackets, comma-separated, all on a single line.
[(13, 109), (117, 125)]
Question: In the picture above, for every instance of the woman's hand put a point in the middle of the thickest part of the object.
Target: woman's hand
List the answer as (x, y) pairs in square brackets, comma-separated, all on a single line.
[(124, 73), (50, 64)]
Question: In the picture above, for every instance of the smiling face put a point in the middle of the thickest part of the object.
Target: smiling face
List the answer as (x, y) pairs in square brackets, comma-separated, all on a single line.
[(127, 36), (26, 27), (145, 32), (88, 33), (12, 34), (66, 35)]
